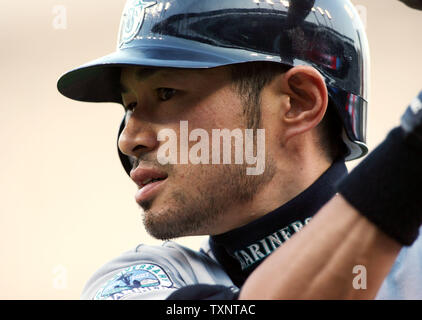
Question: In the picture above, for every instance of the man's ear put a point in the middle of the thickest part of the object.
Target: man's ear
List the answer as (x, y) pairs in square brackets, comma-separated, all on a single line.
[(307, 103)]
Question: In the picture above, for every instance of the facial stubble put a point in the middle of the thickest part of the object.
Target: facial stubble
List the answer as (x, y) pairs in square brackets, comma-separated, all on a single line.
[(204, 197)]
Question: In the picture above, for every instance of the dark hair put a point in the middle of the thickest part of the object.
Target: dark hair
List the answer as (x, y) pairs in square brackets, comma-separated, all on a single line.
[(248, 81)]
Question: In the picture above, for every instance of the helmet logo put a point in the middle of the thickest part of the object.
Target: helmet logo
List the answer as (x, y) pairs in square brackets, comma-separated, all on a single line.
[(132, 19)]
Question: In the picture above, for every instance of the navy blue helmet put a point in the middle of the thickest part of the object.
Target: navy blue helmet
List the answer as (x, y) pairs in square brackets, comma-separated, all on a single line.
[(325, 34)]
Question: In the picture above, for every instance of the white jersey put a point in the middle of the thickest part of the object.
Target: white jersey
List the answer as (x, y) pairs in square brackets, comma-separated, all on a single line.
[(153, 273)]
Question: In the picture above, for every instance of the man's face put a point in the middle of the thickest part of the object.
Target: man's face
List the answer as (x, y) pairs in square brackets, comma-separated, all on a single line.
[(189, 199)]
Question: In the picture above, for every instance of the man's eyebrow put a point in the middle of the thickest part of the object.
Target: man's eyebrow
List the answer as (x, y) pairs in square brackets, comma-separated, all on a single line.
[(140, 75)]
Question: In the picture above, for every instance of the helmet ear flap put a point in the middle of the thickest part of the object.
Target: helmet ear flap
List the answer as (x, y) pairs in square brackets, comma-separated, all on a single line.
[(124, 159)]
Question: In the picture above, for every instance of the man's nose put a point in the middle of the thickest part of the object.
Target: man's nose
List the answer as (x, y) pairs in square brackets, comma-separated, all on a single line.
[(137, 137)]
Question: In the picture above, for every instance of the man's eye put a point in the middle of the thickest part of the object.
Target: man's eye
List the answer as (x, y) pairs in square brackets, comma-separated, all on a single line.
[(165, 94)]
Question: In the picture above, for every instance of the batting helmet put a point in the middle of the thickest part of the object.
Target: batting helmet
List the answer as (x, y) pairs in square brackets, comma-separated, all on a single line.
[(327, 35)]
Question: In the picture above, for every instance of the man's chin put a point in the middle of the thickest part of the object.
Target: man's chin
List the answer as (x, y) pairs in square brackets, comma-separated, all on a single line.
[(156, 219), (159, 227), (165, 221)]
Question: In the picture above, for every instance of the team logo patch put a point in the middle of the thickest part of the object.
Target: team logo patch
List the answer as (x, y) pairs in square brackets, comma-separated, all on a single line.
[(132, 19), (135, 279)]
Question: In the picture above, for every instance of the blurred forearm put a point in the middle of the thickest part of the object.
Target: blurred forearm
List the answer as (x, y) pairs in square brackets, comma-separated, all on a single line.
[(318, 262)]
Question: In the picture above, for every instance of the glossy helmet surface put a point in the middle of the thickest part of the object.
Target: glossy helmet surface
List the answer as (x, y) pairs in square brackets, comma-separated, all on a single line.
[(324, 34)]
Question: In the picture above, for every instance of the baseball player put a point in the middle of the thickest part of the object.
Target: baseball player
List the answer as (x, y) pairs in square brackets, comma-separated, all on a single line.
[(294, 73)]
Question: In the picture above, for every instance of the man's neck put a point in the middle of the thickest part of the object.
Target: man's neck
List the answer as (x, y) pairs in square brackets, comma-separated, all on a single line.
[(289, 181)]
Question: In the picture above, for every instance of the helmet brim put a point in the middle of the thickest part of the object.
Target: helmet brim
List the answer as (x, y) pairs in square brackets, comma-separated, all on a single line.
[(99, 80)]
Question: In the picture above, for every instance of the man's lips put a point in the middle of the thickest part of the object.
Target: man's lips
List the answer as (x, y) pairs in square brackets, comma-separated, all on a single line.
[(148, 181), (143, 176)]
